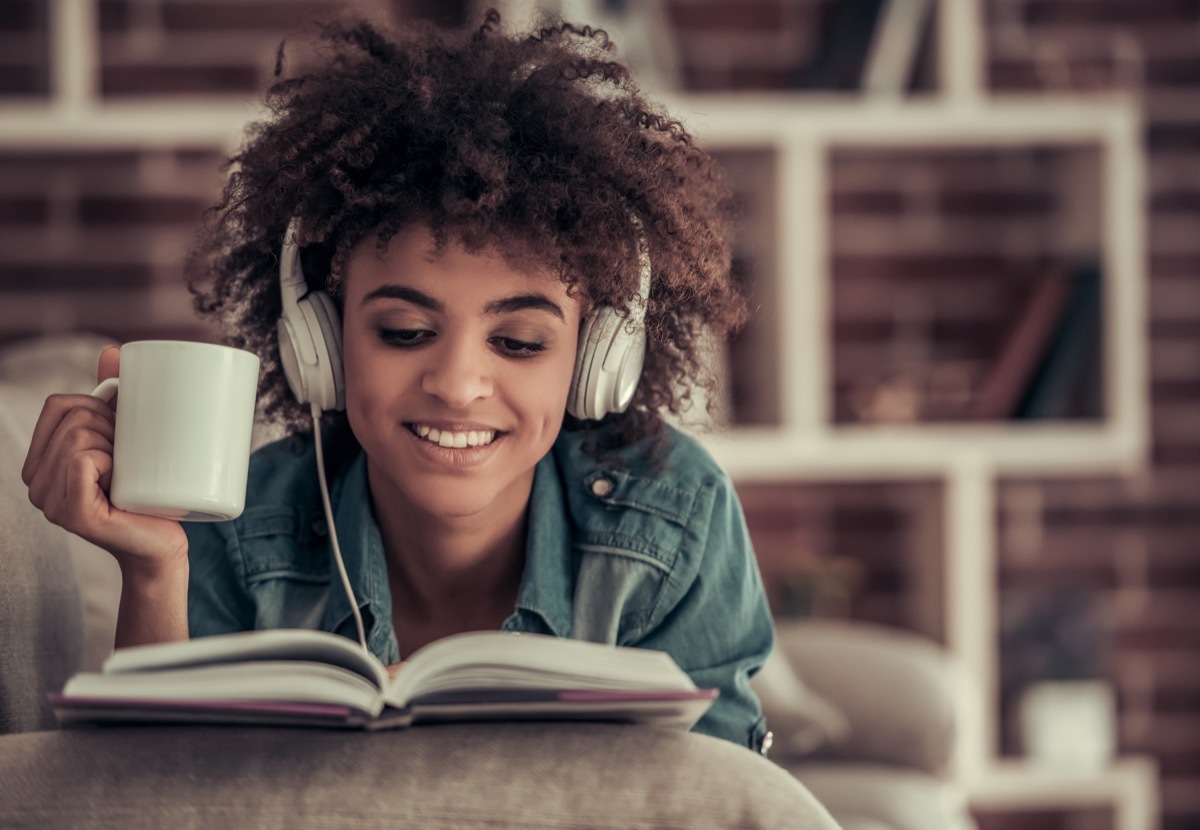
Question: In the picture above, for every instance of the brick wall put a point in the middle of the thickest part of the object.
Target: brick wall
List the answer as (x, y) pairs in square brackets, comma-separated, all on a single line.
[(1137, 543), (933, 313), (92, 238)]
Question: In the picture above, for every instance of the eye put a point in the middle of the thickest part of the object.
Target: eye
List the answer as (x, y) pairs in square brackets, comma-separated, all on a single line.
[(405, 338), (517, 348)]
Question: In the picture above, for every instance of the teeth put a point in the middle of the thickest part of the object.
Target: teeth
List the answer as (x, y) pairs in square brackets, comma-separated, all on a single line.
[(455, 440)]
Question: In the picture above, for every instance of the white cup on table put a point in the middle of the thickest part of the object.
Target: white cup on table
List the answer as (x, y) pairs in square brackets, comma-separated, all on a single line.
[(184, 419)]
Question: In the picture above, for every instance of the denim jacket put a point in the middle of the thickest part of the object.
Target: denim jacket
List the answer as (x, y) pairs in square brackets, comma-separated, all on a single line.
[(633, 555)]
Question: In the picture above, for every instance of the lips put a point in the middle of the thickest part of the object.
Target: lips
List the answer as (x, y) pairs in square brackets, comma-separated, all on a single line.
[(453, 438)]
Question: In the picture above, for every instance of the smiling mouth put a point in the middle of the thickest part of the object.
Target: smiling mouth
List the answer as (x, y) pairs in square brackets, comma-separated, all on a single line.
[(453, 440)]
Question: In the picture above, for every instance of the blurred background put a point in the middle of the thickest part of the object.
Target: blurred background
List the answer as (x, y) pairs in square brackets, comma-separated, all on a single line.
[(968, 404)]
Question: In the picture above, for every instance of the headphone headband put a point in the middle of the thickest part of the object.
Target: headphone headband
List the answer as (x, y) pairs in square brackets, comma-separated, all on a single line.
[(292, 285)]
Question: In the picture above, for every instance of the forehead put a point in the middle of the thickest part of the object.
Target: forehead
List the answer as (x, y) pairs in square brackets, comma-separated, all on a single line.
[(412, 257)]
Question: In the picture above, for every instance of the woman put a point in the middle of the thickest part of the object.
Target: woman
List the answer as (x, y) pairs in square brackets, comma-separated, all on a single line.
[(495, 233)]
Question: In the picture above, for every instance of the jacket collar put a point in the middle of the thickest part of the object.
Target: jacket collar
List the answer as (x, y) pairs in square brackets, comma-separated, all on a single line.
[(366, 566), (546, 586)]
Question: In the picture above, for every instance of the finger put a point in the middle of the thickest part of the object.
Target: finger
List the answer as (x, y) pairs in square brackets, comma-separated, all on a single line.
[(56, 488), (109, 363), (100, 522), (80, 431), (107, 367), (55, 410), (75, 502), (85, 503)]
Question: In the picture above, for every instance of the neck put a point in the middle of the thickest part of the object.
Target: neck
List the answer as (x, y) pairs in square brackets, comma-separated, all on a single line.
[(435, 571), (451, 572)]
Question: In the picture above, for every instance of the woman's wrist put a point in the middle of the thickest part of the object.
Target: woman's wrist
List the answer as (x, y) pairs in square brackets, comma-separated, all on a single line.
[(153, 607), (153, 573)]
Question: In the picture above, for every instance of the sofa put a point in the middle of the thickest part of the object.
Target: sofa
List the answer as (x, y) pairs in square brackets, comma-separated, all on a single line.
[(839, 757), (865, 717)]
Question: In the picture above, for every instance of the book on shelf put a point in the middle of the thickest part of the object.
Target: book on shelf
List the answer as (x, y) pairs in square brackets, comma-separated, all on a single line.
[(1069, 381), (846, 39), (894, 50), (1047, 366), (314, 678), (874, 46), (1023, 348)]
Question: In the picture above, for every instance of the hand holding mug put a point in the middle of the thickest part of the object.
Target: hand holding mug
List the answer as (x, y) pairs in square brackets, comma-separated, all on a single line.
[(176, 448)]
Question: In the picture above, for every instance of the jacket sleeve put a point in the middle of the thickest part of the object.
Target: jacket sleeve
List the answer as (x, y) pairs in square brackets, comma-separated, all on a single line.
[(720, 631), (218, 602)]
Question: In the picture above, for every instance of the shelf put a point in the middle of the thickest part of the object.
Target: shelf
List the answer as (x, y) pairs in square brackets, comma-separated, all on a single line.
[(905, 451), (749, 119), (787, 430), (1129, 787)]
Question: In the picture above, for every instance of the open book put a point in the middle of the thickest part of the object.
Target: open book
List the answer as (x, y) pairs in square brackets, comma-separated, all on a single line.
[(301, 677)]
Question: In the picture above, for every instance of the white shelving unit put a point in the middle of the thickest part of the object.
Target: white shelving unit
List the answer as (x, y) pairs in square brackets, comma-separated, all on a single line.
[(801, 131), (1128, 787), (969, 459)]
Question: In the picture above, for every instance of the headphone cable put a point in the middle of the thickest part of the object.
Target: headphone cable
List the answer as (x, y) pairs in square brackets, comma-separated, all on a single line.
[(337, 551)]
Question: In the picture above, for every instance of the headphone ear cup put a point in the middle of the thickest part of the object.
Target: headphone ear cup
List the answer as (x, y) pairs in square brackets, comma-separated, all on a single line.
[(318, 327), (329, 351), (607, 367), (577, 395), (289, 359)]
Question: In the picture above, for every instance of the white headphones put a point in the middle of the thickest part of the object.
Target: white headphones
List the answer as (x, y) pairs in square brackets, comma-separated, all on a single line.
[(612, 346), (310, 333), (612, 350)]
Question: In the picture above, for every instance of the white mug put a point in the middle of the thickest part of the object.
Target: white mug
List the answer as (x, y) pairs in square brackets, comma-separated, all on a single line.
[(184, 418)]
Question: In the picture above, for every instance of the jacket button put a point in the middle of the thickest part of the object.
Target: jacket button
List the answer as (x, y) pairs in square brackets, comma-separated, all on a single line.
[(767, 740), (601, 487), (318, 527)]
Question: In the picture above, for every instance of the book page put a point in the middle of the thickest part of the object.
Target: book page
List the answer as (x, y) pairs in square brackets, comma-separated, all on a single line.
[(245, 646), (266, 682), (507, 660)]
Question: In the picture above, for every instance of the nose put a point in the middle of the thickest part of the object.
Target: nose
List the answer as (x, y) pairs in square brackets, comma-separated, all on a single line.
[(458, 374)]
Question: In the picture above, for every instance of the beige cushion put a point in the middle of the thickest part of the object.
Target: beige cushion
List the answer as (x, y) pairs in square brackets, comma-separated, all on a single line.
[(866, 795), (895, 689), (33, 370), (801, 721), (41, 633), (569, 775)]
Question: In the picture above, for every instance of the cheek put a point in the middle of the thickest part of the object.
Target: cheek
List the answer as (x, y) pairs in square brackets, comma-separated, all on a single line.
[(557, 380), (541, 394), (363, 367)]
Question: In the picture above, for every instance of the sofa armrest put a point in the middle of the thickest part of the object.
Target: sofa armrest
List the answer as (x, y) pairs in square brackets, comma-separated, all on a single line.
[(896, 690), (498, 775), (41, 629), (887, 796)]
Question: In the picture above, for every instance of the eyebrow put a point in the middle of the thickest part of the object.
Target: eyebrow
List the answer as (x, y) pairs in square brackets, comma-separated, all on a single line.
[(504, 305), (521, 302)]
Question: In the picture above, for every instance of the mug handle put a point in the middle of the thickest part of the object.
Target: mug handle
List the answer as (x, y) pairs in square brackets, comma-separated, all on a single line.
[(107, 389)]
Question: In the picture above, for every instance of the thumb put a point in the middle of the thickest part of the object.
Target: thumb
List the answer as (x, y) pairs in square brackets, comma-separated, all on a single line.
[(110, 362), (108, 366)]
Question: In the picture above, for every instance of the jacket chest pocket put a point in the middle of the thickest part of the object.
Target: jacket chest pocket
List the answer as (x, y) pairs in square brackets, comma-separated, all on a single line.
[(616, 594), (286, 568)]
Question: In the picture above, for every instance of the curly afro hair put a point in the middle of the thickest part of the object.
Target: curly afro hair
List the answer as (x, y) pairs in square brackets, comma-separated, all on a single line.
[(537, 146)]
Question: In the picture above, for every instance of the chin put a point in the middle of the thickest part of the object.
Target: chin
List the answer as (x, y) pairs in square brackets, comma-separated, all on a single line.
[(450, 500)]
